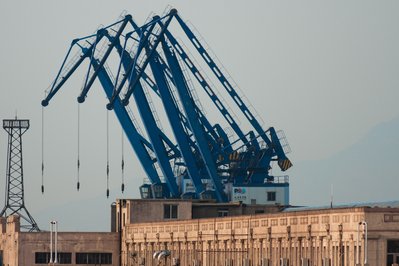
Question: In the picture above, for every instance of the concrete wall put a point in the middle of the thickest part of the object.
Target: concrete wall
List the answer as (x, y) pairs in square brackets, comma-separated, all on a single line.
[(139, 211), (68, 242), (10, 240), (212, 210), (144, 211), (19, 248), (314, 236)]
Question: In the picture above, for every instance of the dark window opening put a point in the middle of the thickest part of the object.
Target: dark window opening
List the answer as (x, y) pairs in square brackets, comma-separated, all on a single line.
[(44, 257), (169, 211), (259, 211), (223, 212), (393, 246), (271, 196), (158, 191), (390, 259), (94, 258), (393, 252), (119, 221)]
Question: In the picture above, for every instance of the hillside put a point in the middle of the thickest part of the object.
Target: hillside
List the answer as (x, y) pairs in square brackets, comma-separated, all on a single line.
[(365, 172)]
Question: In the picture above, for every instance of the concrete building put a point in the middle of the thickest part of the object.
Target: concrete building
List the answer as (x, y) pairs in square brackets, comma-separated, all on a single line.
[(172, 232), (74, 248), (359, 235), (19, 248), (157, 210)]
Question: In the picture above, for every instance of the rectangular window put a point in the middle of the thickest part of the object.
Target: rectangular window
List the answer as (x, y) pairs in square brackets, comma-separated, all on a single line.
[(166, 211), (174, 212), (145, 192), (170, 211), (223, 212), (393, 246), (271, 196), (158, 191), (94, 258), (44, 257)]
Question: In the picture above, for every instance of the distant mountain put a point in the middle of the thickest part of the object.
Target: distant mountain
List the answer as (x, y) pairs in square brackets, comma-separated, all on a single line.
[(367, 171)]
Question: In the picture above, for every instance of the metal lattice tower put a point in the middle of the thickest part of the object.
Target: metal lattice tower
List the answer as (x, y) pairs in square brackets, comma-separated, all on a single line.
[(14, 200)]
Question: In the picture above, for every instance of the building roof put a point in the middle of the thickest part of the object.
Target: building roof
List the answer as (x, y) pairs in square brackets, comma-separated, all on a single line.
[(386, 204)]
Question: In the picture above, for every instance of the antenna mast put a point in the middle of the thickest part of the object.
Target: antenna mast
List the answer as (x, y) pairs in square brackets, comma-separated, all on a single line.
[(14, 201)]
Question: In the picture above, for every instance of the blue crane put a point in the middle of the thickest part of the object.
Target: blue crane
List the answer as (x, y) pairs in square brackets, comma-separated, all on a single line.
[(141, 102), (204, 149), (172, 113), (138, 142)]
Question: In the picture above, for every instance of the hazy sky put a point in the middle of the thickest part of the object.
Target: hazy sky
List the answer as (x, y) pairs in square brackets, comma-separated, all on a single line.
[(325, 72)]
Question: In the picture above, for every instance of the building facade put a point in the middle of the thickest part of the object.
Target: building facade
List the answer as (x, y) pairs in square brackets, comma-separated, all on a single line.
[(169, 232), (159, 210), (333, 236), (73, 248)]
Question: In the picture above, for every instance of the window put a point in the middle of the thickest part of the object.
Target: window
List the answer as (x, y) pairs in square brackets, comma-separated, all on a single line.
[(158, 191), (44, 257), (223, 212), (393, 246), (346, 219), (314, 220), (169, 211), (145, 192), (304, 220), (271, 196), (94, 258)]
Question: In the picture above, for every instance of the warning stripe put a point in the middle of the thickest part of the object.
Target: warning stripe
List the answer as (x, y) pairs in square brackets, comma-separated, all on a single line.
[(234, 156), (285, 164)]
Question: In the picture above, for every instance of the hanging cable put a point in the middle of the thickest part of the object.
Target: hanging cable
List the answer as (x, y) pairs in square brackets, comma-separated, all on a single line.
[(107, 153), (78, 161), (123, 165), (42, 150)]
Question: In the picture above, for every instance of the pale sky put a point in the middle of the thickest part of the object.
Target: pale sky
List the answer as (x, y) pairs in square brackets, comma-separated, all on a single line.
[(325, 72)]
